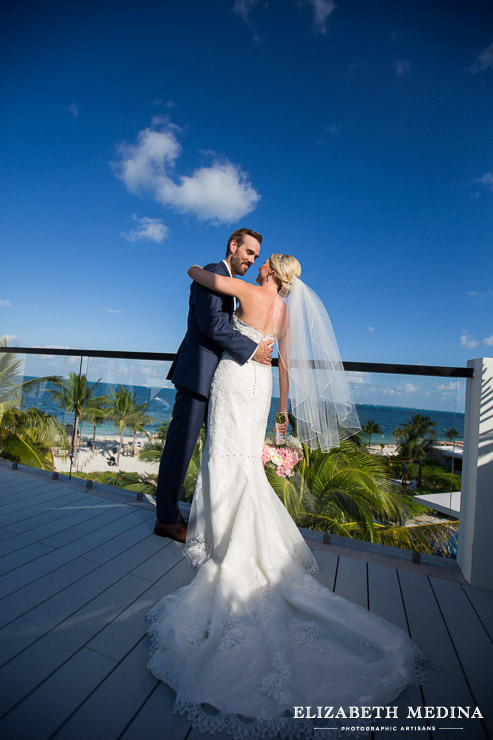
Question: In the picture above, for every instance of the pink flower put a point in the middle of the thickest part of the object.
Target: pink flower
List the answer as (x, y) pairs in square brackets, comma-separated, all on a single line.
[(284, 457), (266, 452)]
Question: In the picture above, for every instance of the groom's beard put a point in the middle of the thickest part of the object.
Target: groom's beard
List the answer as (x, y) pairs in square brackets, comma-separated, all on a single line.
[(239, 266)]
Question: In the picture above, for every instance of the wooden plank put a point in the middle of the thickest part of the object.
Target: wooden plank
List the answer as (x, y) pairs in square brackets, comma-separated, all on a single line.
[(124, 540), (34, 519), (385, 600), (195, 734), (88, 521), (29, 499), (111, 707), (60, 606), (29, 507), (482, 601), (120, 635), (35, 489), (53, 559), (351, 580), (22, 601), (23, 556), (426, 624), (152, 569), (471, 641), (445, 690), (44, 711), (33, 666), (41, 533), (384, 595), (5, 534), (155, 720), (16, 636), (328, 568), (25, 486)]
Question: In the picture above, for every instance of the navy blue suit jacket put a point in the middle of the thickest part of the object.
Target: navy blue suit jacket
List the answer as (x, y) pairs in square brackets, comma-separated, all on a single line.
[(209, 332)]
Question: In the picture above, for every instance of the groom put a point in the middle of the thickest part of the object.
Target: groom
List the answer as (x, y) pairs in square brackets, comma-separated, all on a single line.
[(209, 332)]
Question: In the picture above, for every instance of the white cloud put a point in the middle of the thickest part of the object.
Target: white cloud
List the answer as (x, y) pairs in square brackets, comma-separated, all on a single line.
[(483, 60), (73, 108), (452, 386), (243, 8), (486, 180), (322, 10), (51, 346), (112, 310), (480, 295), (488, 340), (371, 329), (336, 128), (11, 339), (148, 229), (402, 67), (356, 377), (410, 388), (467, 340), (5, 304), (220, 193)]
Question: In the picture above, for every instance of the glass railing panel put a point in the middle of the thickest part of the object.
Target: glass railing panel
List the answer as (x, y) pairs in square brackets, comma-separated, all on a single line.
[(418, 424), (125, 405), (34, 430), (397, 482), (126, 409)]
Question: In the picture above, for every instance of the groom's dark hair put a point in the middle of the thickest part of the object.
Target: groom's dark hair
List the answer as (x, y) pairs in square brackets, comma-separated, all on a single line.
[(239, 237)]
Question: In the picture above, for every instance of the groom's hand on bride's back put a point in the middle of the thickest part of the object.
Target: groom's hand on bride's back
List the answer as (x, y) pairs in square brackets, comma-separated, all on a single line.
[(264, 353)]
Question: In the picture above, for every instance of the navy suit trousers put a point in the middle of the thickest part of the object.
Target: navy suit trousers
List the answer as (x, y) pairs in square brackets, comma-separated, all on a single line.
[(189, 413)]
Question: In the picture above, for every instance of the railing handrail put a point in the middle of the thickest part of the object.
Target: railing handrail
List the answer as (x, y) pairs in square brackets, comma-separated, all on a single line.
[(441, 371)]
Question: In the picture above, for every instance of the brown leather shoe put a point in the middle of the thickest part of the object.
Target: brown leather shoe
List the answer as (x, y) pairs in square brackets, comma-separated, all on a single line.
[(176, 532)]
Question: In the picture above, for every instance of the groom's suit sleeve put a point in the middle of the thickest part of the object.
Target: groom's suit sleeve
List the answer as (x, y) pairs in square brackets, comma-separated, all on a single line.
[(214, 321)]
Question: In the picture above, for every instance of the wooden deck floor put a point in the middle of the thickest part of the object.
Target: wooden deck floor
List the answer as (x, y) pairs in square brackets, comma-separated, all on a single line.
[(78, 573)]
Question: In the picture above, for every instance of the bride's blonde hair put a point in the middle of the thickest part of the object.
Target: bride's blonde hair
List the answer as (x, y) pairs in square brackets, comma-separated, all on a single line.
[(286, 267)]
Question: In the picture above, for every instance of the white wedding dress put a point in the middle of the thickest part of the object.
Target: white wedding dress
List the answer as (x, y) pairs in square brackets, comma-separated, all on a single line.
[(255, 634)]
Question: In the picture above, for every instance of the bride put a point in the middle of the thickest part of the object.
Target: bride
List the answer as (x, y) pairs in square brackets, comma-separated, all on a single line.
[(255, 635)]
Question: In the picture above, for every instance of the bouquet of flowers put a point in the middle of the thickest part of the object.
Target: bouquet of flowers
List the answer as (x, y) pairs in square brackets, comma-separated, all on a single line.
[(283, 457)]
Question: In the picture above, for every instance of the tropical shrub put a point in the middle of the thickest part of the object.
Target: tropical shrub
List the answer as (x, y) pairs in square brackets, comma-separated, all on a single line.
[(348, 492)]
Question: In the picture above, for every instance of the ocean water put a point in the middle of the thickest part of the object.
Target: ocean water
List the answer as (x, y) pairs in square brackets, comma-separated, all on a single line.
[(161, 405)]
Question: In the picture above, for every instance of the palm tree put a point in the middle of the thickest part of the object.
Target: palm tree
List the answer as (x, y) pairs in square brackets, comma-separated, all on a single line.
[(25, 436), (125, 412), (417, 437), (152, 451), (371, 427), (347, 492), (96, 413), (10, 385), (75, 394), (29, 437), (343, 491), (137, 423), (452, 435)]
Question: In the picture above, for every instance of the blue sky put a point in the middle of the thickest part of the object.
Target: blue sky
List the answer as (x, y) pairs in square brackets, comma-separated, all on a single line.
[(355, 135)]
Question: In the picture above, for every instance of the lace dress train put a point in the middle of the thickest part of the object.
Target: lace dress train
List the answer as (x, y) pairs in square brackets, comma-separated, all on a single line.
[(255, 634)]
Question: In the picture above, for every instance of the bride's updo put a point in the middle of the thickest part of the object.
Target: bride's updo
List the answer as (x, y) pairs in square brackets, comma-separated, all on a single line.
[(286, 267)]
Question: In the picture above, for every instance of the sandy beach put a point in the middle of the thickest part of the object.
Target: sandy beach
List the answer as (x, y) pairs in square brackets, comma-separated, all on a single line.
[(96, 461), (388, 449)]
